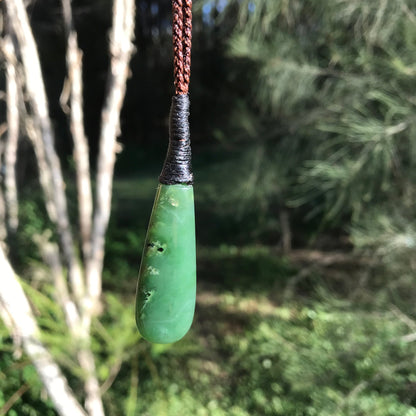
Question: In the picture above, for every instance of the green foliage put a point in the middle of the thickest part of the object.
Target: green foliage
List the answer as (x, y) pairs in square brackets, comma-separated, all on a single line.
[(123, 250), (328, 358), (234, 267), (32, 222), (330, 87), (54, 331), (20, 386), (116, 338), (245, 193), (390, 240)]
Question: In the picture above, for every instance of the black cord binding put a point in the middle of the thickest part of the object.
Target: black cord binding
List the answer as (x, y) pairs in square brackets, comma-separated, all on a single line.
[(177, 168)]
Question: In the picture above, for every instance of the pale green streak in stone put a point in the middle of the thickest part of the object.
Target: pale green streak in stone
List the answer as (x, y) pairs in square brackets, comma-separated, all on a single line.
[(166, 290)]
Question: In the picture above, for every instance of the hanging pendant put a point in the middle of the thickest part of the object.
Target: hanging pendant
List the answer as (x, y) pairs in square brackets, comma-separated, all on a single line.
[(167, 284), (166, 290)]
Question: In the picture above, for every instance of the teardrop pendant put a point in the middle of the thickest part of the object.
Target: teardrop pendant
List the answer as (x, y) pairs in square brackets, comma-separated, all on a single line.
[(166, 289)]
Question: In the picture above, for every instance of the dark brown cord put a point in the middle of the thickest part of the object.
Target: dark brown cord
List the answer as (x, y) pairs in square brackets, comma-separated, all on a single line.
[(182, 40)]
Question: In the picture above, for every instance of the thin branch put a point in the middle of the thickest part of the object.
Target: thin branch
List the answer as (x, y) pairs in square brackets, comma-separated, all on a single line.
[(114, 370), (15, 302), (285, 229), (14, 398), (121, 49), (93, 402), (407, 320), (81, 150), (17, 341), (3, 126), (50, 254), (3, 230), (37, 96), (134, 383), (351, 395), (12, 206), (409, 337)]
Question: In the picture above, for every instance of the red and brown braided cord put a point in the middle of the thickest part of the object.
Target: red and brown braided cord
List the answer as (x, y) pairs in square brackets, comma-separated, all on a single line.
[(182, 37)]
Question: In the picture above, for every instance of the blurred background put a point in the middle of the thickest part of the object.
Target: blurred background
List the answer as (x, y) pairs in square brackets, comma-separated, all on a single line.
[(303, 122)]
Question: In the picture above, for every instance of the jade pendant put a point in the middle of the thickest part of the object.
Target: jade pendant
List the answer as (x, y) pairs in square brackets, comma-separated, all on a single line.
[(166, 289)]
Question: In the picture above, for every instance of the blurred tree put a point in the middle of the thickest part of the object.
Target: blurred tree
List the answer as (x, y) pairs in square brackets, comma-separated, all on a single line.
[(76, 279)]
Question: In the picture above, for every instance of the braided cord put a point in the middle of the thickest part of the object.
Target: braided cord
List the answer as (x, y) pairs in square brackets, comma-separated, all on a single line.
[(182, 41), (177, 167)]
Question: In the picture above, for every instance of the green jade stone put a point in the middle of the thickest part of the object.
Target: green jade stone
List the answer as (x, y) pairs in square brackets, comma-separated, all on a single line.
[(166, 289)]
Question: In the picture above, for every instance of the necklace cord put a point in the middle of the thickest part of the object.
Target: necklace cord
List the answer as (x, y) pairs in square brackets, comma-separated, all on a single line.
[(182, 42), (177, 167)]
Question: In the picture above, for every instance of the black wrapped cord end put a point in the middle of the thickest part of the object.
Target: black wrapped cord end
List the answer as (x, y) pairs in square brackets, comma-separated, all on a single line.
[(177, 168)]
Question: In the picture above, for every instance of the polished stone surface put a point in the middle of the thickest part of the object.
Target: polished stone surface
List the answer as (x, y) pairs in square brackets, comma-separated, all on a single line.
[(166, 289)]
